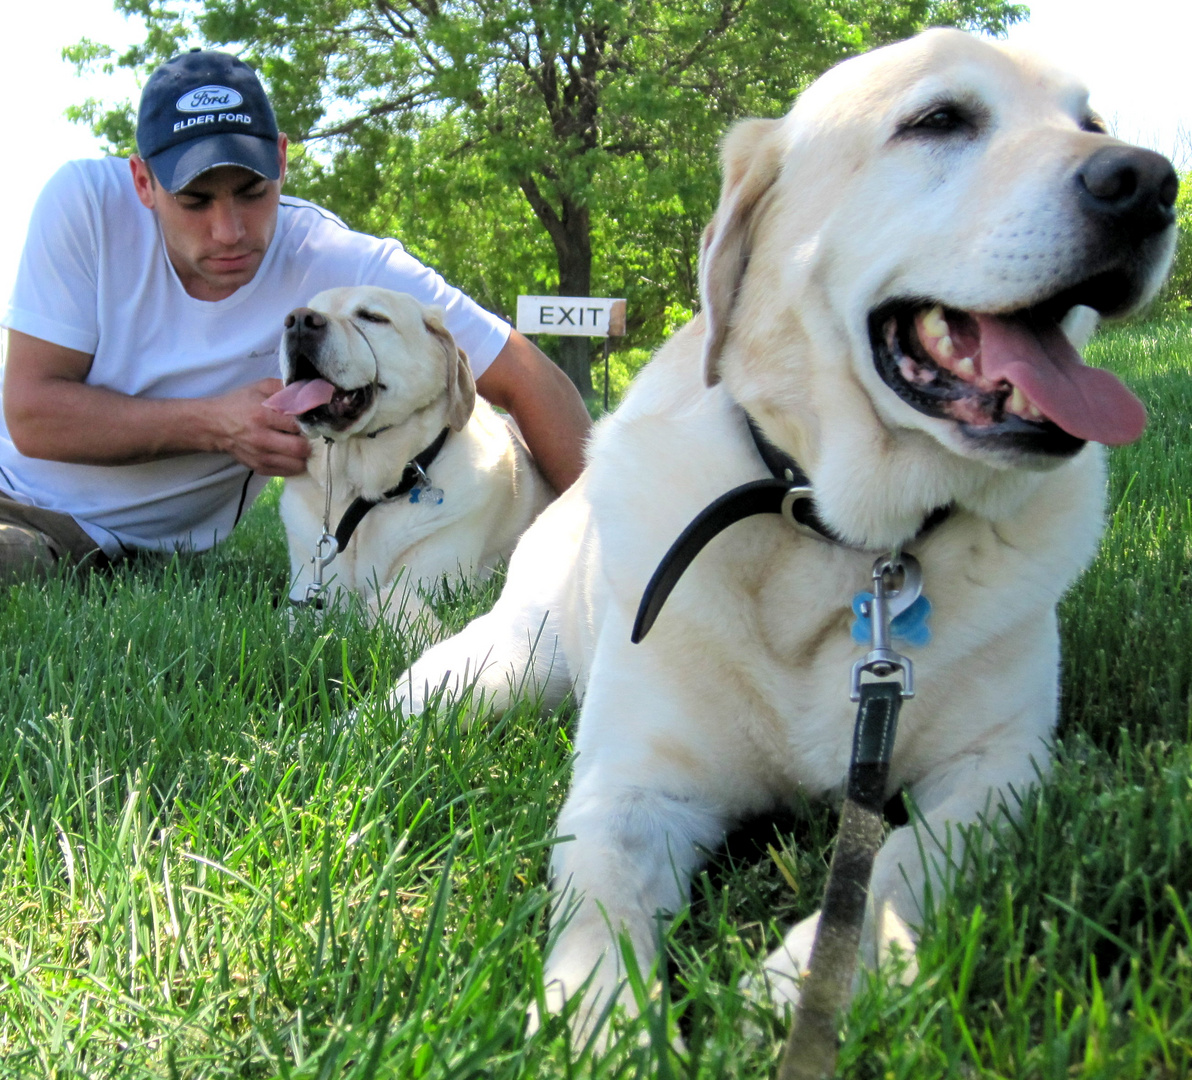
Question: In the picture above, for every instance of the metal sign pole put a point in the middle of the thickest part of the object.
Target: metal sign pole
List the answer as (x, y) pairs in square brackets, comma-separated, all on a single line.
[(606, 374)]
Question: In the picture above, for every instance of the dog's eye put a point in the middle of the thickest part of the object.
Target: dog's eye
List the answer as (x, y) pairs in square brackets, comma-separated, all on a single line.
[(1095, 124), (940, 119), (370, 316)]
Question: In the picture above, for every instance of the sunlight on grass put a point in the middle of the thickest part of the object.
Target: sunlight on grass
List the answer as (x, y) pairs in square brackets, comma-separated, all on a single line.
[(205, 871)]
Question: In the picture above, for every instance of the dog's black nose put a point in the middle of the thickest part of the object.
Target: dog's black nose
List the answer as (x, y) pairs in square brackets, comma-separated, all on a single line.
[(310, 320), (1132, 188)]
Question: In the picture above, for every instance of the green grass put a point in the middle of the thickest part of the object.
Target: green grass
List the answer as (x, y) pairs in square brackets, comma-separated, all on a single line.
[(205, 873)]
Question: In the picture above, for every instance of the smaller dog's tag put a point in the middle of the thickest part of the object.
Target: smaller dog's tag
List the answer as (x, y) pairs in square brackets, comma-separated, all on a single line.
[(427, 493)]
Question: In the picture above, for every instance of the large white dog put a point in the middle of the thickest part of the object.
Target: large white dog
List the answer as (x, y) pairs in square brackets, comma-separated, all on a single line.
[(425, 479), (884, 284)]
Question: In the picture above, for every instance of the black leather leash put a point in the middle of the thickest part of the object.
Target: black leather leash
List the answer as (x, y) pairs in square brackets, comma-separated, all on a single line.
[(812, 1045), (811, 1048), (415, 472)]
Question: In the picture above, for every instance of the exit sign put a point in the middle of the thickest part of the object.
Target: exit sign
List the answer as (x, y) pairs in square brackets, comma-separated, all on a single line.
[(571, 316)]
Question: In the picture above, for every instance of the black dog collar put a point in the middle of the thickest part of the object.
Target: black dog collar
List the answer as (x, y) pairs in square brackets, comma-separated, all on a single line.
[(787, 492), (414, 471)]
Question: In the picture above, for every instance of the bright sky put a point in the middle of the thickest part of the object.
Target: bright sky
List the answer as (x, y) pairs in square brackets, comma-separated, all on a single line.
[(1132, 55)]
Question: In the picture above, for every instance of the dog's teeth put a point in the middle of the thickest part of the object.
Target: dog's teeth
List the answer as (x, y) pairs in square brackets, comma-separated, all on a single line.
[(965, 368), (1018, 403), (934, 322), (1032, 411), (945, 348)]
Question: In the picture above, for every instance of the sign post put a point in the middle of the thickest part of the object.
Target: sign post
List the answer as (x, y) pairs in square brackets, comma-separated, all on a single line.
[(573, 316)]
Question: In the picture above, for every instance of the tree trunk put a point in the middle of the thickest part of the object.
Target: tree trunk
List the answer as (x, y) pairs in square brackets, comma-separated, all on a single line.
[(572, 236), (575, 358)]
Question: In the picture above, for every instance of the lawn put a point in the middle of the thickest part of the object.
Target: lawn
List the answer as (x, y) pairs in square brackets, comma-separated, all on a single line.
[(205, 872)]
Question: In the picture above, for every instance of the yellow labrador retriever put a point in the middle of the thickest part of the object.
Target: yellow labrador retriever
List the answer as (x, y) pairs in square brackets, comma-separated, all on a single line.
[(425, 478), (890, 285)]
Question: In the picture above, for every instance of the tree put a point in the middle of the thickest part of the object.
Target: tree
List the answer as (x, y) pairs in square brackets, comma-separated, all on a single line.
[(1176, 295), (597, 120)]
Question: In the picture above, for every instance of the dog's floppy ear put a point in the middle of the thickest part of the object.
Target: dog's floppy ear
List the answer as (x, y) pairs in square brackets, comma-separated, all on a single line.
[(461, 387), (751, 159)]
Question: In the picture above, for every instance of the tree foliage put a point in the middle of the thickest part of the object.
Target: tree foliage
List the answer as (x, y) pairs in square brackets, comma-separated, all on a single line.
[(529, 145), (1176, 295)]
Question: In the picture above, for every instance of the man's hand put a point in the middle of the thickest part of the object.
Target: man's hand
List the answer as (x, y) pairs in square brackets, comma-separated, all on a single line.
[(53, 413), (266, 441)]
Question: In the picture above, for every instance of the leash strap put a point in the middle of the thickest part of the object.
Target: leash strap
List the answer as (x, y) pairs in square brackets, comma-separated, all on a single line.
[(414, 472), (812, 1045)]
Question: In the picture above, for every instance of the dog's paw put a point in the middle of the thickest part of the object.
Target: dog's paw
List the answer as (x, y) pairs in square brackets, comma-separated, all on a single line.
[(589, 1010), (776, 986), (896, 946)]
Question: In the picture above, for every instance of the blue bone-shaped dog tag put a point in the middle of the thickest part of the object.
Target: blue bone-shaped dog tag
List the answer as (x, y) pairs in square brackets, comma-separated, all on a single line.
[(431, 495), (910, 626)]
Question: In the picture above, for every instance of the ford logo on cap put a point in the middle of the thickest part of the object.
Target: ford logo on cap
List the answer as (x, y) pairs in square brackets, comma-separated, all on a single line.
[(206, 98)]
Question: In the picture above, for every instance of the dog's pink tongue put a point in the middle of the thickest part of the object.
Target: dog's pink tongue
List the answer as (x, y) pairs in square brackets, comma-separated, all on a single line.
[(301, 396), (1087, 402)]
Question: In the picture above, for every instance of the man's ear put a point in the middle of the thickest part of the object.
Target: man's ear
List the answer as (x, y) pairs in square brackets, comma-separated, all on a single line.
[(461, 386), (751, 159), (144, 182), (282, 143)]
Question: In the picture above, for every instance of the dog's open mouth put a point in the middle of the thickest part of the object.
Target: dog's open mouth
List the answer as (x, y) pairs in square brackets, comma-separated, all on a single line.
[(1010, 380), (319, 403)]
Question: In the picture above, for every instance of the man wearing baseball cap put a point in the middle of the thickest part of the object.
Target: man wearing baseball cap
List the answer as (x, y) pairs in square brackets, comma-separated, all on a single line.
[(145, 320)]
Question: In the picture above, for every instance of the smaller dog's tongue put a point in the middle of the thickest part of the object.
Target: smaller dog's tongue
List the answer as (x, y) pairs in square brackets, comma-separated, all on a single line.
[(1087, 402), (300, 396)]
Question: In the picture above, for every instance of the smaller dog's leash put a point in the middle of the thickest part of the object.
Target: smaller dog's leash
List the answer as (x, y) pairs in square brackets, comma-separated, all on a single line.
[(325, 548)]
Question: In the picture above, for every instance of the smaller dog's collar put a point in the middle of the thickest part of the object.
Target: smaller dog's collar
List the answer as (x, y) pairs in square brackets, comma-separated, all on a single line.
[(787, 492), (414, 472)]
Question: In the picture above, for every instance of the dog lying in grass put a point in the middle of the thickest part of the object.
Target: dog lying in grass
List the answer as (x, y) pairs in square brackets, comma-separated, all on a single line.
[(426, 479), (894, 286)]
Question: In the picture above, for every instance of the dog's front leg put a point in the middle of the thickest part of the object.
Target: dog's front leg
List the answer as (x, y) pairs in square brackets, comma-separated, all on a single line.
[(625, 869)]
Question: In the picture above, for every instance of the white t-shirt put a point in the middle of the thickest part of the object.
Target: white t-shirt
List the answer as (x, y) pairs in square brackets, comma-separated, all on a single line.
[(95, 277)]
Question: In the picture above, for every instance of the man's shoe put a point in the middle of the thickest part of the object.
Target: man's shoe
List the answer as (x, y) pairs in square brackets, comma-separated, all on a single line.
[(25, 553)]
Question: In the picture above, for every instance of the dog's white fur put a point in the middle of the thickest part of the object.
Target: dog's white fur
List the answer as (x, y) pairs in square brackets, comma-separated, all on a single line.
[(738, 698), (491, 488)]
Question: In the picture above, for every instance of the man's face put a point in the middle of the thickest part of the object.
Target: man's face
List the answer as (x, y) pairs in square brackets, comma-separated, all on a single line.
[(217, 228)]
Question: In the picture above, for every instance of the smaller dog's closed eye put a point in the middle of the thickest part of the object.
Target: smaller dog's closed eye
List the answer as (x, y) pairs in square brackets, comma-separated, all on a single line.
[(370, 316), (1093, 123)]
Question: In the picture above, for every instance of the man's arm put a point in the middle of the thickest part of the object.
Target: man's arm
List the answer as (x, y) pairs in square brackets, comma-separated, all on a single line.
[(52, 413), (551, 415)]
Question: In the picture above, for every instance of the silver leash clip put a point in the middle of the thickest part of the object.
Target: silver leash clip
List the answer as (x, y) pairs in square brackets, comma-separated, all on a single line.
[(325, 552), (897, 583), (327, 547)]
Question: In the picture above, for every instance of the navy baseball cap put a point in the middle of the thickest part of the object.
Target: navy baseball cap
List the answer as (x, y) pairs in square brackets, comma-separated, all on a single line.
[(201, 110)]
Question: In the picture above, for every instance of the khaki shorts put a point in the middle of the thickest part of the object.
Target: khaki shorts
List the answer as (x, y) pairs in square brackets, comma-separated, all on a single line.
[(34, 541)]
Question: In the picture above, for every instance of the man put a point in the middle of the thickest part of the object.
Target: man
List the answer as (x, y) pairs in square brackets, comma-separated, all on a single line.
[(144, 325)]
